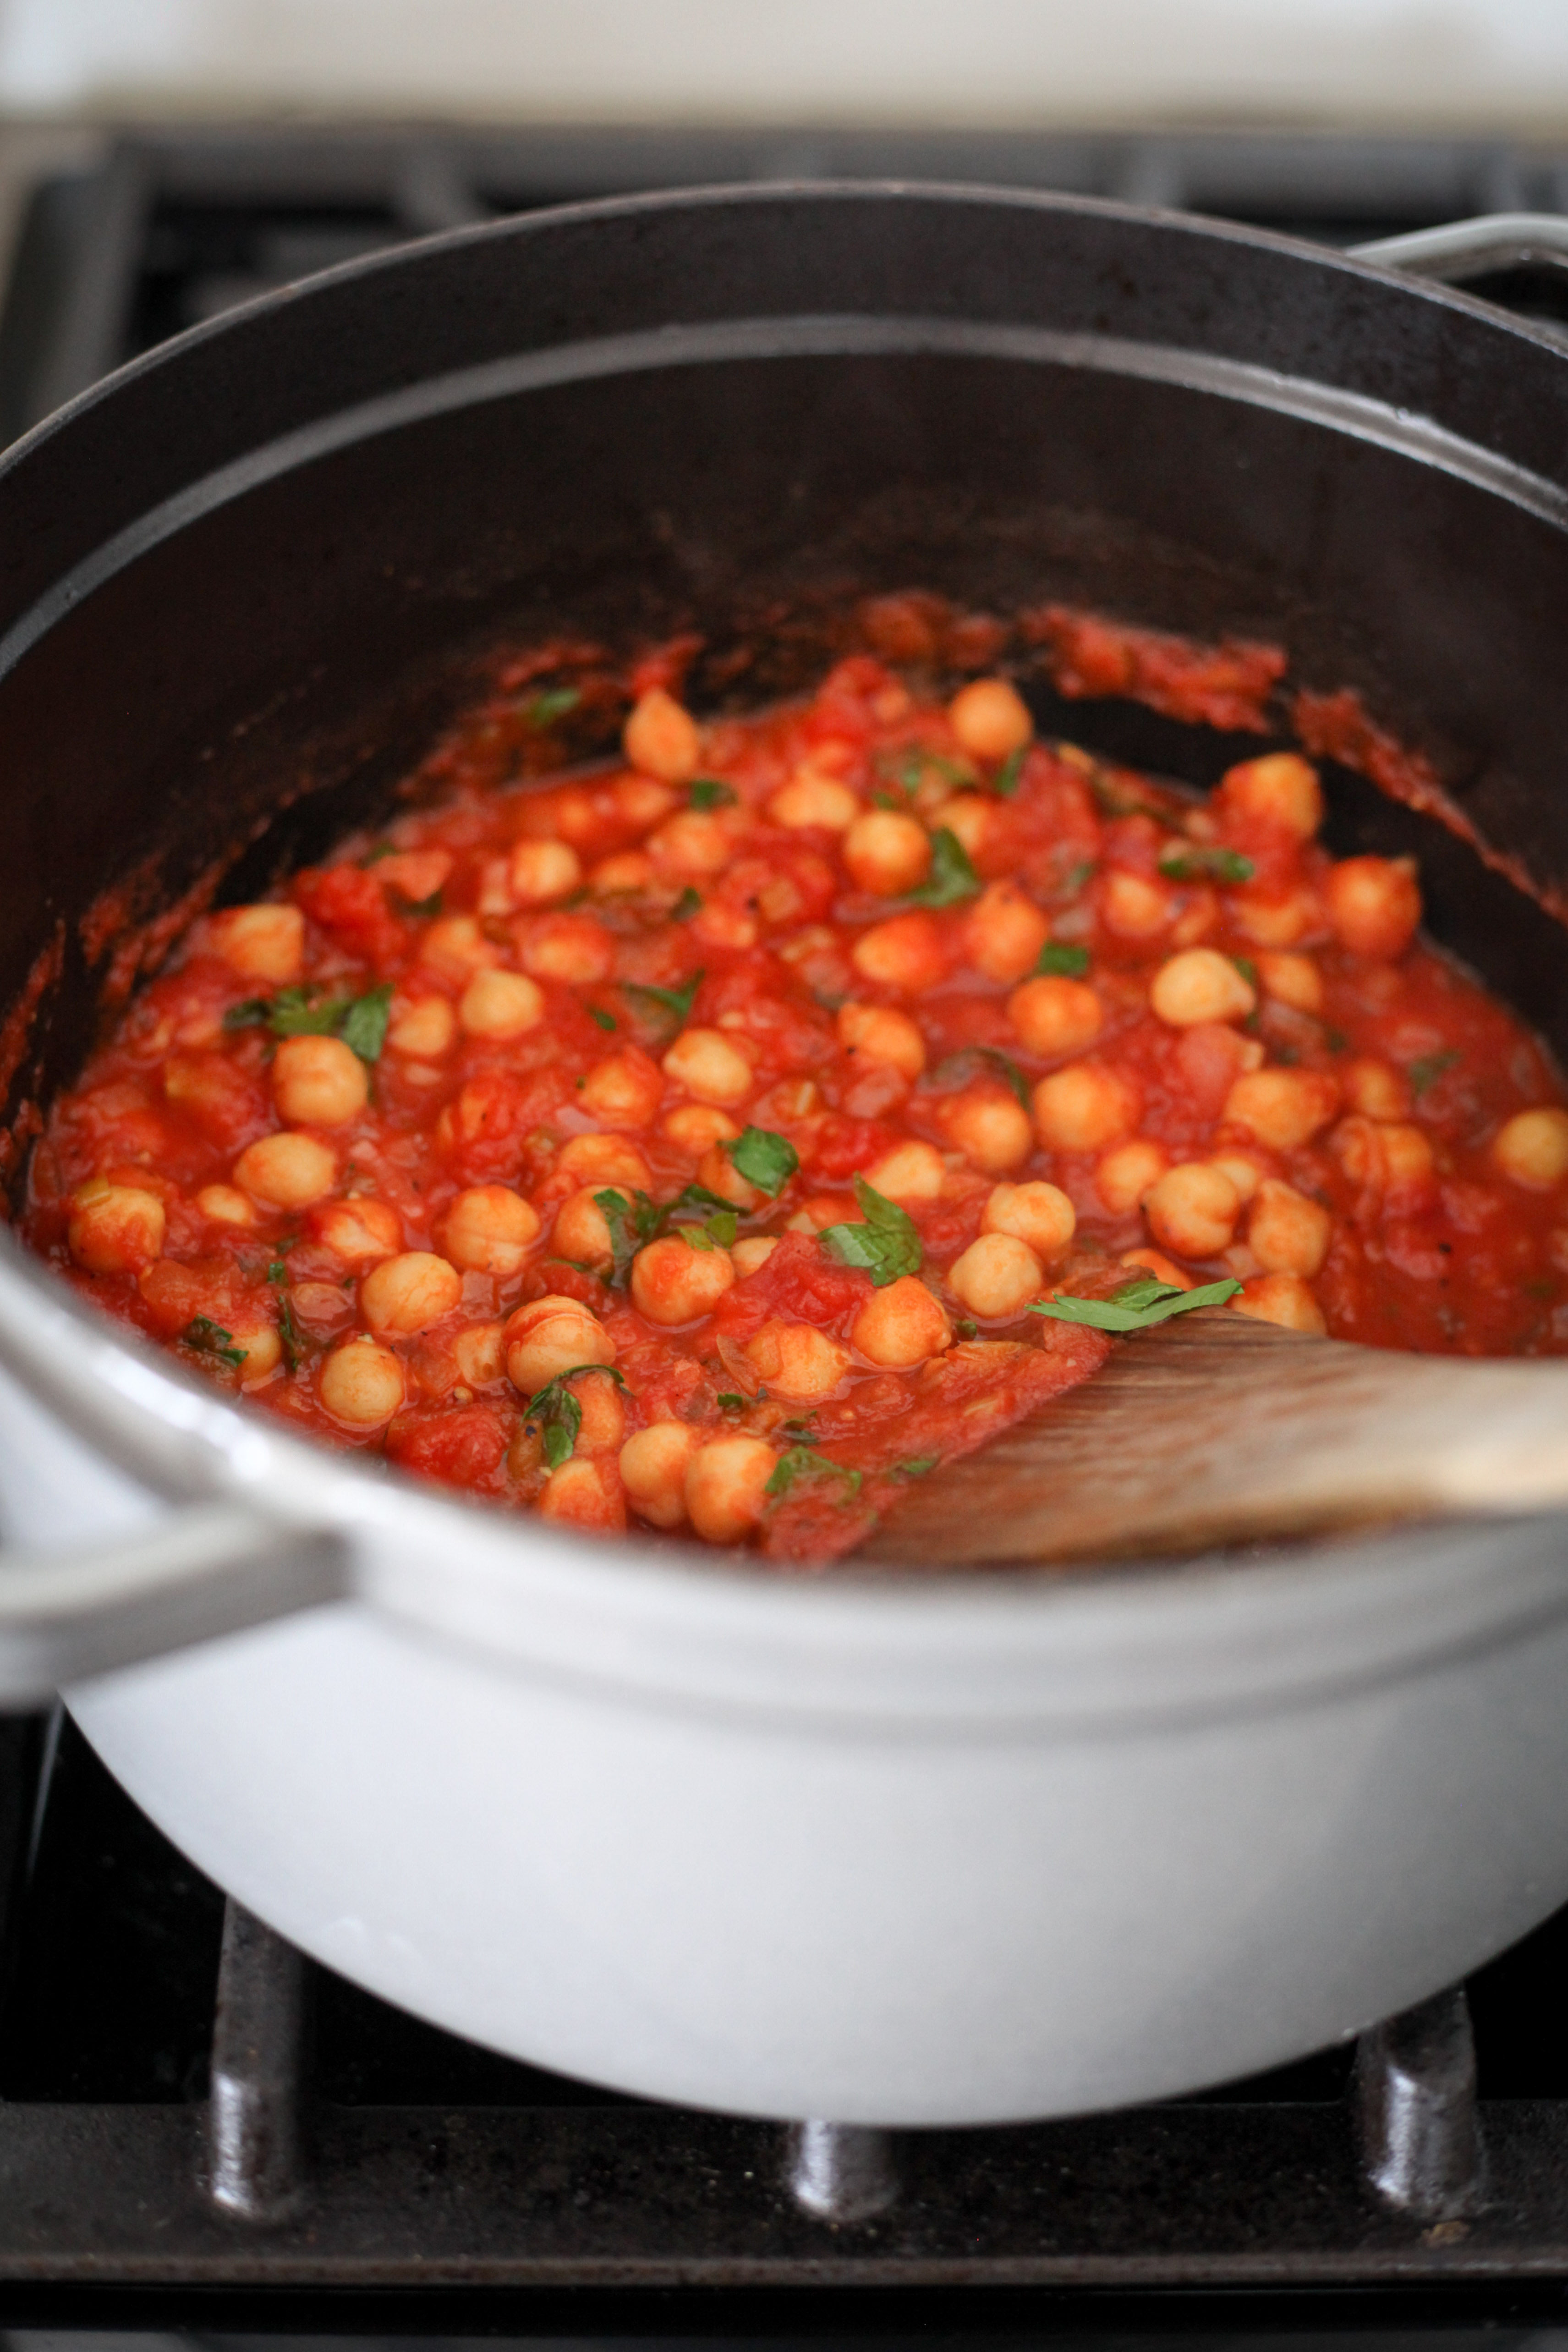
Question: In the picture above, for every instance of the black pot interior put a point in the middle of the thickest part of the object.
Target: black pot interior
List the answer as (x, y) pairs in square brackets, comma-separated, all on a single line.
[(256, 679)]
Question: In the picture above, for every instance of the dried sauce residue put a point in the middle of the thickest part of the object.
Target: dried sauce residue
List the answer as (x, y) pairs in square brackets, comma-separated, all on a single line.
[(1227, 685)]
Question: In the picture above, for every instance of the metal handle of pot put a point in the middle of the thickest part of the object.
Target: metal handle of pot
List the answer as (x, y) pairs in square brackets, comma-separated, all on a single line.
[(1461, 250)]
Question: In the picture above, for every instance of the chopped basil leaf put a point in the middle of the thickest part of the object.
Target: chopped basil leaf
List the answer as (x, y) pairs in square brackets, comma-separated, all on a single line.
[(631, 1224), (302, 1012), (689, 903), (967, 1330), (695, 1196), (383, 849), (889, 800), (764, 1160), (707, 792), (1196, 861), (1137, 1305), (364, 1023), (672, 1003), (886, 1246), (1007, 778), (1428, 1068), (1247, 970), (1075, 877), (956, 1069), (802, 1428), (550, 703), (916, 1466), (804, 1462), (729, 1402), (288, 1329), (249, 1016), (601, 1019), (1057, 957), (952, 877), (717, 1233), (210, 1338), (556, 1411), (423, 906)]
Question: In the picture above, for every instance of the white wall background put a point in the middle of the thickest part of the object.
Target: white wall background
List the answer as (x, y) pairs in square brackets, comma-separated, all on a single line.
[(931, 60)]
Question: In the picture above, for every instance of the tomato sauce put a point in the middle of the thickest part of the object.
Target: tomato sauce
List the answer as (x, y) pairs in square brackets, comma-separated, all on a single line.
[(686, 1144)]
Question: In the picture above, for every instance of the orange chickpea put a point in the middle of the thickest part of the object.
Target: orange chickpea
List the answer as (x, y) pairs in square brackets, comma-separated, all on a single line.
[(1283, 1109), (260, 942), (1374, 906), (1193, 1210), (1276, 918), (1155, 1261), (875, 1033), (287, 1171), (1391, 1156), (1282, 1298), (604, 1415), (491, 1229), (1531, 1149), (1376, 1090), (1054, 1016), (969, 817), (116, 1228), (641, 800), (720, 1174), (424, 1026), (1003, 934), (585, 1495), (574, 949), (1280, 788), (1085, 1108), (693, 842), (995, 1277), (500, 1004), (653, 1471), (1292, 980), (696, 1127), (224, 1206), (318, 1082), (1286, 1233), (905, 954), (1243, 1173), (1038, 1214), (551, 1335), (673, 1284), (1134, 907), (361, 1384), (603, 1160), (582, 1231), (480, 1354), (910, 1171), (544, 870), (259, 1347), (406, 1294), (630, 869), (993, 1131), (1201, 986), (902, 1325), (990, 719), (887, 851), (623, 1090), (358, 1231), (798, 1362), (1125, 1176), (456, 945), (810, 799), (726, 1487), (752, 1252), (661, 739), (706, 1063)]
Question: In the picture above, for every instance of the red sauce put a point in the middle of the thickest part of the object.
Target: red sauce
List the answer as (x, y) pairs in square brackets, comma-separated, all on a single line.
[(940, 1022)]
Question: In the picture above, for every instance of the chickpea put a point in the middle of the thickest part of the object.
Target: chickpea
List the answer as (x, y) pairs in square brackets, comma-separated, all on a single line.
[(910, 1171), (601, 1159), (902, 1325), (117, 1229), (1085, 1108), (905, 954), (719, 926), (1243, 1173), (456, 945), (996, 1277), (887, 851), (500, 1004), (1282, 1298), (491, 1230), (604, 1415), (623, 1090), (719, 1172), (260, 942), (1134, 907), (1374, 906), (1286, 1233), (1275, 919), (287, 1171), (1376, 1090), (630, 869), (551, 1335), (672, 1282), (653, 1471), (1283, 1109), (875, 1033), (990, 719), (1192, 1211), (1126, 1175), (224, 1206), (1164, 1269), (584, 1495), (1038, 1214), (696, 1127), (573, 948), (708, 1065), (361, 1384), (582, 1231), (407, 1293), (661, 739), (318, 1082), (425, 1027), (1280, 787), (259, 1345), (798, 1361), (641, 800), (358, 1231), (726, 1487), (969, 817), (811, 799), (752, 1253), (1390, 1156), (694, 841), (1201, 986), (1531, 1149), (1054, 1016), (993, 1131), (544, 870), (1292, 980), (1003, 934), (480, 1354)]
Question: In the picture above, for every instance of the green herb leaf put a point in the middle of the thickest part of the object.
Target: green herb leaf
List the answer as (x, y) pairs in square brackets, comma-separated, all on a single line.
[(717, 1233), (288, 1329), (880, 798), (1008, 775), (1196, 861), (601, 1019), (917, 1465), (804, 1462), (967, 1330), (210, 1338), (764, 1159), (1075, 877), (550, 703), (251, 1014), (1058, 958), (728, 1401), (707, 792), (669, 1003), (695, 1196), (689, 903), (556, 1411), (886, 1246), (952, 877), (1137, 1305), (1247, 970), (364, 1023), (303, 1011), (423, 906), (1428, 1068), (631, 1224), (383, 849)]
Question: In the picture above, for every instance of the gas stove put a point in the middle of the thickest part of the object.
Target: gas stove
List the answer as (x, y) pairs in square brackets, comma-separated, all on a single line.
[(199, 2131)]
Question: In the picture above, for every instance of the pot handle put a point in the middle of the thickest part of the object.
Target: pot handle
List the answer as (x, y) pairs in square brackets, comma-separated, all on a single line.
[(208, 1570), (1461, 250)]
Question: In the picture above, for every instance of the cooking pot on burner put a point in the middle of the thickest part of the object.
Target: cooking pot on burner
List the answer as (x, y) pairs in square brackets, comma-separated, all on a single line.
[(873, 1847)]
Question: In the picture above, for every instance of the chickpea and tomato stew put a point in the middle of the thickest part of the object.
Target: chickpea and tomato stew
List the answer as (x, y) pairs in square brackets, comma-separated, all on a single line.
[(714, 1142)]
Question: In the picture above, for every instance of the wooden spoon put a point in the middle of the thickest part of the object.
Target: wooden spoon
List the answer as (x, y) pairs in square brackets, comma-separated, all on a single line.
[(1215, 1428)]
